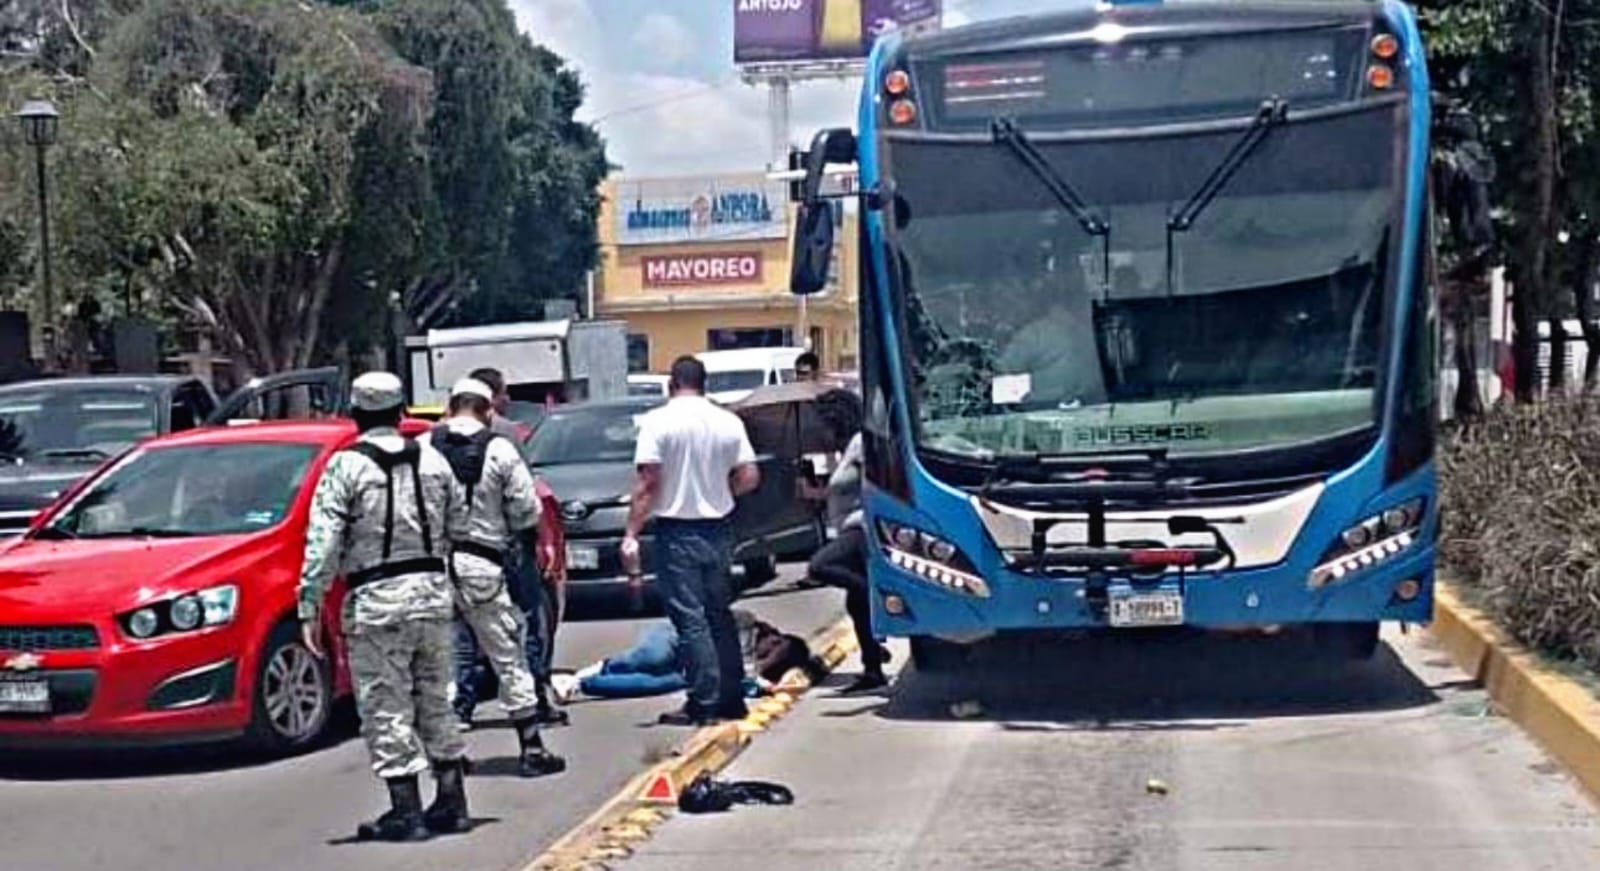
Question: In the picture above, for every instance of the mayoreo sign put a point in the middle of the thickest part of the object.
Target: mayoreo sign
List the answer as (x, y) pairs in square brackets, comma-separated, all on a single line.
[(666, 211), (737, 267)]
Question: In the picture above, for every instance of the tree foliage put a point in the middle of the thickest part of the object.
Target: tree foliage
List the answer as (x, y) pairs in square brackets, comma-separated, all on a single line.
[(288, 175), (1528, 70)]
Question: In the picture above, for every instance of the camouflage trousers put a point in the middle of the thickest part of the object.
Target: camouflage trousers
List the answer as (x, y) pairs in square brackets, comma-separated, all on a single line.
[(502, 634), (402, 675)]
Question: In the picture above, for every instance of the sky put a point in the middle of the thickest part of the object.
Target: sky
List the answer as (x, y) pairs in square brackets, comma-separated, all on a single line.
[(663, 89)]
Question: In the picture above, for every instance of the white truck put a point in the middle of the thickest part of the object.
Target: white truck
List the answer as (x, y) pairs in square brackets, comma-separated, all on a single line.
[(567, 360)]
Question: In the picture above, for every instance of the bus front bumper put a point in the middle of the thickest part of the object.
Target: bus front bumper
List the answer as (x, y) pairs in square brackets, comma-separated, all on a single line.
[(904, 604)]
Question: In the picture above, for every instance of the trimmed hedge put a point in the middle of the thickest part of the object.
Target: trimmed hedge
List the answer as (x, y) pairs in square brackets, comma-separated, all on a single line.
[(1520, 491)]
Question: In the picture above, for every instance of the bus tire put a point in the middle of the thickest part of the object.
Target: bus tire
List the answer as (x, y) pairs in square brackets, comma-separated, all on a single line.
[(1346, 642), (934, 655)]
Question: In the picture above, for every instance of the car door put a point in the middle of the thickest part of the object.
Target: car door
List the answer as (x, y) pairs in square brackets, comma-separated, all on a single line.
[(300, 394), (773, 518), (192, 406)]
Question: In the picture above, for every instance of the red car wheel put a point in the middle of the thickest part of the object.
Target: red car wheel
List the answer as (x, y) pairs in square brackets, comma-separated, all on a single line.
[(293, 694)]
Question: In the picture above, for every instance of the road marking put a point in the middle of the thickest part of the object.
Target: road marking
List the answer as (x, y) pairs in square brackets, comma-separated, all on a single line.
[(630, 817)]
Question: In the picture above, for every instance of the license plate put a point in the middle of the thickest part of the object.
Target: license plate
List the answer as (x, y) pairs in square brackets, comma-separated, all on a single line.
[(24, 696), (582, 557), (1147, 609)]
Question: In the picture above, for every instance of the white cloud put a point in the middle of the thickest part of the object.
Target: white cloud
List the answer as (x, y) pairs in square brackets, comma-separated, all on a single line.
[(664, 38), (567, 27), (667, 123)]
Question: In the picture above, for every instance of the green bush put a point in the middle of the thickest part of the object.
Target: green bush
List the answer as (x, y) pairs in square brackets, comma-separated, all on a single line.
[(1521, 498)]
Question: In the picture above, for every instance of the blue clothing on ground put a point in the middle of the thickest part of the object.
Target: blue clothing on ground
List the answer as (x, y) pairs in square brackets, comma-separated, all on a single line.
[(652, 667)]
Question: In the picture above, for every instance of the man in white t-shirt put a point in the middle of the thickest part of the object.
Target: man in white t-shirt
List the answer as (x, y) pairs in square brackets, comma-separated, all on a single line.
[(693, 458)]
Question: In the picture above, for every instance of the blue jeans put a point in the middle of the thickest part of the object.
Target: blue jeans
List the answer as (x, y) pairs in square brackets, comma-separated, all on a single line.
[(652, 667), (692, 571)]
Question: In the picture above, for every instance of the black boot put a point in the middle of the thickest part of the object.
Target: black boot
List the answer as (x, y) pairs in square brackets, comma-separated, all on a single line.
[(403, 820), (549, 715), (448, 813), (535, 760)]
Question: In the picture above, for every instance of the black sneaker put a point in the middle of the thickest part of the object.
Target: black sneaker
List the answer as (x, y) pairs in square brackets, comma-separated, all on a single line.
[(539, 762), (865, 684), (685, 717), (546, 715)]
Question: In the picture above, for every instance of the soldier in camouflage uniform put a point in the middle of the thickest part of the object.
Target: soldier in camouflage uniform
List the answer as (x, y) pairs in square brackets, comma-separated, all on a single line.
[(380, 517), (496, 504)]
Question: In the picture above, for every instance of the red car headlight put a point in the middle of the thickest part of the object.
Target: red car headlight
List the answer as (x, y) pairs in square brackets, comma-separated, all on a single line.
[(212, 606)]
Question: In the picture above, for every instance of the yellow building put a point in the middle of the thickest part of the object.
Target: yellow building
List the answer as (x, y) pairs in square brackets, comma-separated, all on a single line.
[(697, 264)]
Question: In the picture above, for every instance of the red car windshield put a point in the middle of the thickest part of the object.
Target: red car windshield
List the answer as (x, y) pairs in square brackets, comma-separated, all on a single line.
[(219, 489)]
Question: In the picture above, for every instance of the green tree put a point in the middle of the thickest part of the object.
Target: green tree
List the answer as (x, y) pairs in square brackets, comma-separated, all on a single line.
[(289, 175)]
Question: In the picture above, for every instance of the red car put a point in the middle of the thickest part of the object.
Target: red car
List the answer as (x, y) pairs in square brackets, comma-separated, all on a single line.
[(155, 602)]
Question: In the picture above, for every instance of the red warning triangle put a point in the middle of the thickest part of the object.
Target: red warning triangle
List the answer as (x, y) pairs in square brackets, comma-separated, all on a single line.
[(661, 788)]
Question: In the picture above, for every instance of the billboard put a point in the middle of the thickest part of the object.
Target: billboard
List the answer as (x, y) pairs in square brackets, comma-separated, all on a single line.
[(720, 209), (778, 31)]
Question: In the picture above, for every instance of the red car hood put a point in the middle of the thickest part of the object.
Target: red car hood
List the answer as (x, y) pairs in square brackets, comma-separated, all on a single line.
[(74, 580)]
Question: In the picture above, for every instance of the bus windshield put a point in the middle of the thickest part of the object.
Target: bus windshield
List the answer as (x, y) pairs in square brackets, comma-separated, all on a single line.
[(1258, 326)]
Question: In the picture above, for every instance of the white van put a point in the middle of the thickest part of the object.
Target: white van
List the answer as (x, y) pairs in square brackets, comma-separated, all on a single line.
[(731, 375)]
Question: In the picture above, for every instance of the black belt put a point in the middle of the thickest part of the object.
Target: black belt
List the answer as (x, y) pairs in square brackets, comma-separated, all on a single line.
[(482, 551), (696, 523), (386, 571)]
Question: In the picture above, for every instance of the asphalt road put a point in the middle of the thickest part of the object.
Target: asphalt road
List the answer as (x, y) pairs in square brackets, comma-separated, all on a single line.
[(1269, 762), (206, 809)]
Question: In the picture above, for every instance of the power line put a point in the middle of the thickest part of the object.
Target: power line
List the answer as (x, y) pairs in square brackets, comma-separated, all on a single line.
[(667, 101)]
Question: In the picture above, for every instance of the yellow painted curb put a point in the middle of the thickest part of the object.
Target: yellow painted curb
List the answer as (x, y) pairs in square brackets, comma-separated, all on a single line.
[(1558, 712), (626, 819)]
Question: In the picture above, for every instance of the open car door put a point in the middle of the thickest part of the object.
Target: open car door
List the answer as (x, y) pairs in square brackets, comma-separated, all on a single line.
[(303, 394)]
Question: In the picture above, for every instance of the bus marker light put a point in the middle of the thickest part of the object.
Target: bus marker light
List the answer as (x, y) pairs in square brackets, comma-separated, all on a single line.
[(897, 83), (1380, 77), (894, 605), (1408, 589), (1043, 607), (1385, 46), (902, 112)]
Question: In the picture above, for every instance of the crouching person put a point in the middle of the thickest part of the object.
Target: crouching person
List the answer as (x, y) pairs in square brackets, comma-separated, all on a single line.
[(494, 493)]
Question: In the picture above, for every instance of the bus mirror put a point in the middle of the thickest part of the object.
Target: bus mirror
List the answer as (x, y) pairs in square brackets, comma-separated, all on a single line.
[(813, 248), (835, 145)]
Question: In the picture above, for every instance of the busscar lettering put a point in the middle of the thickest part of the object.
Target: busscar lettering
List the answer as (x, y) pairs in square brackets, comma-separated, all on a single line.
[(1140, 434)]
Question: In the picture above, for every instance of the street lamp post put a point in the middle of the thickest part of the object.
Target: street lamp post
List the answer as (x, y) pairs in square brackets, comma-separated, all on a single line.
[(40, 122)]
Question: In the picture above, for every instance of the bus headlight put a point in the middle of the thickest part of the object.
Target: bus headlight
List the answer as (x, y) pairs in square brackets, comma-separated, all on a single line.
[(1374, 540), (930, 558)]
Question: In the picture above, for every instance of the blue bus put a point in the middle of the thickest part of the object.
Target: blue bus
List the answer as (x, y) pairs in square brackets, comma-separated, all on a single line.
[(1148, 330)]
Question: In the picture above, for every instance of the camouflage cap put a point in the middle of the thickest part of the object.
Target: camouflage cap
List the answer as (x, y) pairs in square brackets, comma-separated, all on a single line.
[(377, 391)]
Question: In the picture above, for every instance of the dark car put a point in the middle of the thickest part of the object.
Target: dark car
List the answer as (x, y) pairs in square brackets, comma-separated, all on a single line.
[(54, 432), (585, 453)]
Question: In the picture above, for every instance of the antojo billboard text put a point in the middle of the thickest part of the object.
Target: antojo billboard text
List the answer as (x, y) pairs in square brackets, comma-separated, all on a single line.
[(778, 31), (684, 270)]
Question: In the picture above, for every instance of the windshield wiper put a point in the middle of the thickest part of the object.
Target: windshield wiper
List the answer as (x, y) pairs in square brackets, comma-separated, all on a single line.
[(1273, 113), (75, 454), (1006, 132)]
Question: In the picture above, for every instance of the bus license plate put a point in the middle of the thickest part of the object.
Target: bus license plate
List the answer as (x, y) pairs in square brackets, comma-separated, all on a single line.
[(582, 557), (1147, 609), (24, 696)]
